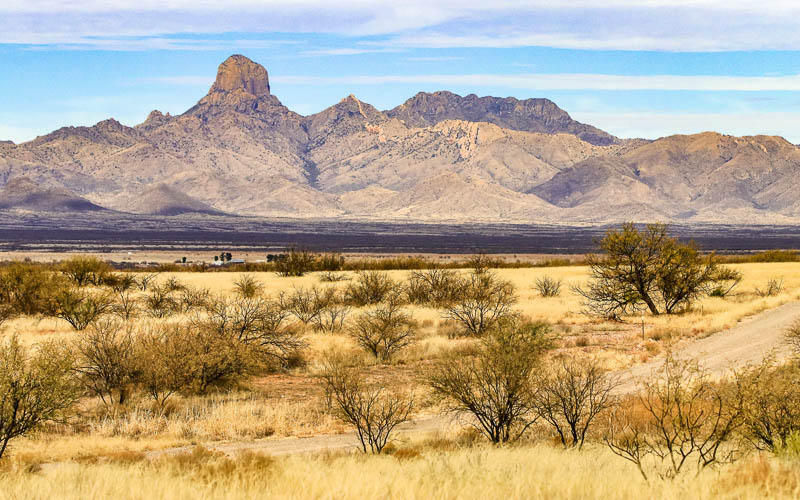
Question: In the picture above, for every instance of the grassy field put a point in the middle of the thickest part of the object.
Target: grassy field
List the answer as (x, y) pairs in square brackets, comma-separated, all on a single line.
[(101, 456), (479, 471)]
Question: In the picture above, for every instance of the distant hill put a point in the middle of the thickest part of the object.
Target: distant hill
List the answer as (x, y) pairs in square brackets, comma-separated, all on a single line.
[(22, 193), (438, 156)]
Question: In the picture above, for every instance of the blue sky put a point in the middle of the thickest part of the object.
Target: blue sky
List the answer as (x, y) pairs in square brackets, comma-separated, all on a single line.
[(645, 68)]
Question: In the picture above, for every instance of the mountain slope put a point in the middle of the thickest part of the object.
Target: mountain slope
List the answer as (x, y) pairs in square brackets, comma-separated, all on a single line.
[(438, 156)]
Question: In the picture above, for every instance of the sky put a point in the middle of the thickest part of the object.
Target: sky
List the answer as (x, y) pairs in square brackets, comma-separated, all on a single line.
[(635, 68)]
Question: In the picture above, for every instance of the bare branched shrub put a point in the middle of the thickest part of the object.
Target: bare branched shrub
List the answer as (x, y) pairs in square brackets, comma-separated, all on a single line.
[(35, 387), (190, 298), (297, 262), (681, 420), (81, 308), (369, 287), (332, 317), (212, 357), (160, 301), (548, 286), (256, 323), (793, 337), (161, 359), (83, 270), (434, 287), (384, 330), (307, 304), (497, 387), (332, 277), (773, 287), (107, 360), (145, 280), (571, 397), (727, 279), (373, 410), (247, 286), (771, 404), (481, 263), (485, 300)]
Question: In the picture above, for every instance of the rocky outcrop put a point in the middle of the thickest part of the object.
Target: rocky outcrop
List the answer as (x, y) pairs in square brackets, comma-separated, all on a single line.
[(238, 72), (531, 115)]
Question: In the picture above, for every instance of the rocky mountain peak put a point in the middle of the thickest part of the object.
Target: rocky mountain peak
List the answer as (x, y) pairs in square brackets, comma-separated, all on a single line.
[(238, 72)]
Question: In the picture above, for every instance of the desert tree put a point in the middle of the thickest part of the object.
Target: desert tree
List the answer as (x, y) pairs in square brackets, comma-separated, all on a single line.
[(371, 408), (572, 394), (160, 363), (106, 360), (256, 323), (648, 269), (35, 387), (384, 330), (435, 287), (484, 300), (86, 270), (680, 418), (497, 387), (29, 289), (144, 280), (80, 307), (370, 287), (296, 262)]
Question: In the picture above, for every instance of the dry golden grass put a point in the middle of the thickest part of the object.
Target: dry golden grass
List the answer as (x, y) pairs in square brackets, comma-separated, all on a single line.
[(537, 471), (289, 404)]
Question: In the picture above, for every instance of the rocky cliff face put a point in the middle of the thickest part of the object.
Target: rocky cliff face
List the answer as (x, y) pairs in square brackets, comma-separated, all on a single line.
[(530, 115), (438, 156)]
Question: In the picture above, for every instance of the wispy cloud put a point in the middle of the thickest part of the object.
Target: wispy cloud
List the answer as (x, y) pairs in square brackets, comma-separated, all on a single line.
[(537, 81), (662, 25)]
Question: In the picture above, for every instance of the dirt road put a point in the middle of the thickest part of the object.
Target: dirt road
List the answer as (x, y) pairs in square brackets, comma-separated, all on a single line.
[(749, 341)]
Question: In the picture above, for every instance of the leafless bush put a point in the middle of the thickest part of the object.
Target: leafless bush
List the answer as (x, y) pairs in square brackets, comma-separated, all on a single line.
[(332, 277), (497, 386), (331, 319), (297, 262), (35, 387), (771, 404), (481, 263), (107, 360), (792, 336), (81, 308), (161, 360), (679, 420), (248, 287), (384, 330), (369, 287), (145, 280), (83, 270), (773, 287), (373, 410), (191, 298), (160, 302), (307, 304), (484, 301), (258, 324), (434, 287), (571, 396), (548, 286)]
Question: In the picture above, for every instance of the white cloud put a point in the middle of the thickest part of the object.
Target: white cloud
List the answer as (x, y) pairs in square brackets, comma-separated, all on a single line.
[(566, 81), (676, 25)]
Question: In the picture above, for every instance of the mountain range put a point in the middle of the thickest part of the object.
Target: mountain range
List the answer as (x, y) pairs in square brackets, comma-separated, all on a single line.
[(437, 157)]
